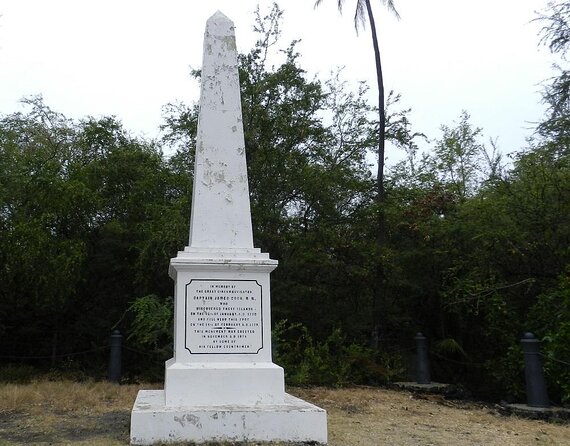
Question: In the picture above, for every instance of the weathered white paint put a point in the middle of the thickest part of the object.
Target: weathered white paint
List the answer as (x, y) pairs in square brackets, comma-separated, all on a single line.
[(211, 393), (239, 384), (221, 215), (294, 420)]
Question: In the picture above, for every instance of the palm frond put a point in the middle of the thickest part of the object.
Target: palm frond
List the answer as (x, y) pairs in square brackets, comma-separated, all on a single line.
[(340, 4), (360, 15), (391, 7)]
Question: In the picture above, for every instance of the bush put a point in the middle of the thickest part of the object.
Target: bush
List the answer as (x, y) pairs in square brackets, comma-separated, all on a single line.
[(153, 323), (333, 362), (18, 373)]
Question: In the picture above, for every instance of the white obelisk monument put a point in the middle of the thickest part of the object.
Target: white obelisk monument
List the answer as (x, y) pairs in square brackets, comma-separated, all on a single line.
[(221, 384)]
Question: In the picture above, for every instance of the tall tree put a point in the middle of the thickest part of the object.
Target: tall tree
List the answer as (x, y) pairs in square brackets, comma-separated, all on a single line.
[(363, 12), (556, 36)]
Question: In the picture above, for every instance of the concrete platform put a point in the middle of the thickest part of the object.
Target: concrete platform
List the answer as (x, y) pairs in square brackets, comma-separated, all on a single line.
[(294, 420), (561, 414)]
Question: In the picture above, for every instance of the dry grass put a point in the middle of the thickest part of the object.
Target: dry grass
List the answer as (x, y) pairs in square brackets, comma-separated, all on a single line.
[(98, 414), (66, 396), (373, 416), (65, 413)]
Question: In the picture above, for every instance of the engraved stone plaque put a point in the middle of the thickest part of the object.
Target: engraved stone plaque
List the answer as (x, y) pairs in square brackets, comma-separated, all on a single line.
[(223, 317)]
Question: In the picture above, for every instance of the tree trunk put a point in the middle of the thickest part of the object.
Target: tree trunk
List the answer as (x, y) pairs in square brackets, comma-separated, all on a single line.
[(379, 302), (381, 114), (53, 348)]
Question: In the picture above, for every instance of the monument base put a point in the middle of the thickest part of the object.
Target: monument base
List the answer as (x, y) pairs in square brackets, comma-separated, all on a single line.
[(213, 384), (294, 420)]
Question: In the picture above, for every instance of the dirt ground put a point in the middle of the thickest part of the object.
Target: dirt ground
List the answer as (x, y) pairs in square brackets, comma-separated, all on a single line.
[(98, 414), (372, 416)]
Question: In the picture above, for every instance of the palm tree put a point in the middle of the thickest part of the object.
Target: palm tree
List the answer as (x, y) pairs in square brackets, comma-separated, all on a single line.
[(364, 11)]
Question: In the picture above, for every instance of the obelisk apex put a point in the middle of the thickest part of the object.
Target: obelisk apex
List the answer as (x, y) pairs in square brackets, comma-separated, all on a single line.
[(221, 216)]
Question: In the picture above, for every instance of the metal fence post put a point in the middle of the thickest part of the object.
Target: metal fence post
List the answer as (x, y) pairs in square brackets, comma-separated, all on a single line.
[(422, 360), (536, 393), (115, 356)]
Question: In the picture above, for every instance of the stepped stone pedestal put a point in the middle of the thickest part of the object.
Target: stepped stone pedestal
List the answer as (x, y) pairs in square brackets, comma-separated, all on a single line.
[(221, 384)]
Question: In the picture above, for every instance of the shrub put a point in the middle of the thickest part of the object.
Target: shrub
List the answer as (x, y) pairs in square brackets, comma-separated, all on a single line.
[(18, 373), (333, 362)]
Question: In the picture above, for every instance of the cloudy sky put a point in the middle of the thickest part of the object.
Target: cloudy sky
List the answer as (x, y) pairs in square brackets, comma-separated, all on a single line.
[(128, 58)]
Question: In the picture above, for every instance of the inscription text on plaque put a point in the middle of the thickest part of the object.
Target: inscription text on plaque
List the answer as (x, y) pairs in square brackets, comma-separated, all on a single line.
[(223, 317)]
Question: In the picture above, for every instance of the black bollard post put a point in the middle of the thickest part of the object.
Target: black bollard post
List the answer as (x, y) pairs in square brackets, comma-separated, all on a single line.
[(115, 356), (422, 360), (536, 394)]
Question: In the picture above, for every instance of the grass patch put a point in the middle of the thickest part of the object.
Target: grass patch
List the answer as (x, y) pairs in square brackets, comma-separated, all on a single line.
[(68, 396)]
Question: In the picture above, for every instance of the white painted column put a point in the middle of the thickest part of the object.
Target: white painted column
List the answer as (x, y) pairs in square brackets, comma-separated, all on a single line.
[(221, 216)]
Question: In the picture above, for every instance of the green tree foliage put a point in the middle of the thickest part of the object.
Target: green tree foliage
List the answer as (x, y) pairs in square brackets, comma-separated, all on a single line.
[(334, 361), (82, 207), (153, 322), (45, 216), (457, 155), (556, 36), (479, 250)]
